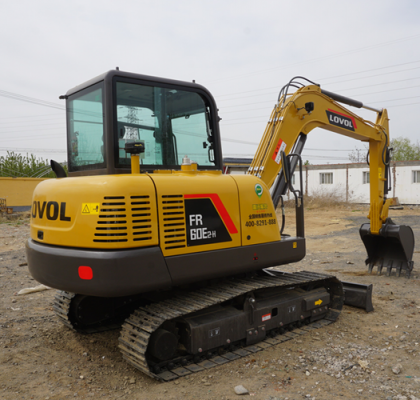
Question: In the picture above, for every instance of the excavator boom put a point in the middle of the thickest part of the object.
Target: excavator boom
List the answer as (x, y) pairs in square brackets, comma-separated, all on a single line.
[(295, 116)]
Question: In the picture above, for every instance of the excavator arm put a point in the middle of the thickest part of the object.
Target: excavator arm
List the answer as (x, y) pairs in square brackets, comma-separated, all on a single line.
[(309, 107)]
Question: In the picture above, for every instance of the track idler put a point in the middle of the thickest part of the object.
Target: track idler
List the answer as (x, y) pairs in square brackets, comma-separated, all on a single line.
[(392, 248)]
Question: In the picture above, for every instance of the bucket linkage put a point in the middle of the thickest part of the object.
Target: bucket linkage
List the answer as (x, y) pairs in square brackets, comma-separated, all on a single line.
[(392, 248)]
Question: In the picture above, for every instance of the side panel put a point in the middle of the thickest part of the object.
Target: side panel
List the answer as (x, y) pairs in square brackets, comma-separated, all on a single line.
[(197, 212), (102, 212), (258, 215)]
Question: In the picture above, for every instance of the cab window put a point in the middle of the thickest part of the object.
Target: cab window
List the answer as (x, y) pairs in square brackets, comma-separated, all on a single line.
[(172, 123), (86, 129)]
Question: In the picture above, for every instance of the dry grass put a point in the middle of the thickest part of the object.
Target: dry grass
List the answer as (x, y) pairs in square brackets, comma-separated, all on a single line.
[(322, 200), (325, 201), (17, 218)]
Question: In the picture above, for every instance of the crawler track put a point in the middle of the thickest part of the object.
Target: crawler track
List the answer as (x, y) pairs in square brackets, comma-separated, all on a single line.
[(62, 307), (138, 328)]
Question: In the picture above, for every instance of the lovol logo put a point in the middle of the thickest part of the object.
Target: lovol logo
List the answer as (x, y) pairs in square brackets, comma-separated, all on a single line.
[(51, 210), (341, 120)]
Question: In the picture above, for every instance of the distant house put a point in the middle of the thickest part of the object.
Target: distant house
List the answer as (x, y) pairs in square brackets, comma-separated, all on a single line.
[(348, 181)]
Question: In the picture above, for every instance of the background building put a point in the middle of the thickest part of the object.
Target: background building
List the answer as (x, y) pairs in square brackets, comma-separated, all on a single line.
[(348, 182)]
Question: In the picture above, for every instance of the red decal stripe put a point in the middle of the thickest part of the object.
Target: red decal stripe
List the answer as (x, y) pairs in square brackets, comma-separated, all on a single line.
[(345, 115), (220, 208)]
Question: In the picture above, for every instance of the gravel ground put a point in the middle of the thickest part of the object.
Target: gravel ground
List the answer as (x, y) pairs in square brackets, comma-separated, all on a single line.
[(363, 355)]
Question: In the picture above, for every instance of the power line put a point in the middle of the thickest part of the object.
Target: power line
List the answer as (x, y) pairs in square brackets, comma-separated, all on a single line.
[(48, 104), (32, 125), (36, 137), (337, 90), (333, 77), (341, 90), (389, 90), (374, 76), (32, 100), (403, 105), (323, 57), (262, 120), (379, 84), (271, 102), (34, 116), (368, 70), (30, 149), (403, 98)]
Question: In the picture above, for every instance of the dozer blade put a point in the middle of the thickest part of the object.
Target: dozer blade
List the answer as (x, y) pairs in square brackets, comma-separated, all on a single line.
[(358, 295), (392, 248)]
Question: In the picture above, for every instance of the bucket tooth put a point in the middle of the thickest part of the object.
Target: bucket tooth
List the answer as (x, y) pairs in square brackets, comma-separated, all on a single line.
[(380, 268), (370, 267), (389, 268), (410, 266)]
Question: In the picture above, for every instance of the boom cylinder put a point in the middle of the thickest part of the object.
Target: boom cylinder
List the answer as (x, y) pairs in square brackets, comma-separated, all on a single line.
[(349, 101)]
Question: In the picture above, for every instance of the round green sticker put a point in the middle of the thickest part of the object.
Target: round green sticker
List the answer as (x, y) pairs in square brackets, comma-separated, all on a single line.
[(259, 190)]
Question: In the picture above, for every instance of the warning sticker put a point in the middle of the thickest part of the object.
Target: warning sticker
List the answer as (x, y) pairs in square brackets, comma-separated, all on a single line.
[(266, 317), (281, 146), (90, 208)]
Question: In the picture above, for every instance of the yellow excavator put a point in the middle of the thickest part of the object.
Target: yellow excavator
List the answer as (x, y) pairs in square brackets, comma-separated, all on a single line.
[(146, 228)]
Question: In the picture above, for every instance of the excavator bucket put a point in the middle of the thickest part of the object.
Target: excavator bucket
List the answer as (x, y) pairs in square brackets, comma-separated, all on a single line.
[(392, 248)]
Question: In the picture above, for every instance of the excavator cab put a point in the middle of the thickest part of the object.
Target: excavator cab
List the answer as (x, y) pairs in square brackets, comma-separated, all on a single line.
[(171, 118)]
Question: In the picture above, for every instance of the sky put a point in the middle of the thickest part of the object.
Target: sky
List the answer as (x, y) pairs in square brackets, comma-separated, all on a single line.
[(242, 51)]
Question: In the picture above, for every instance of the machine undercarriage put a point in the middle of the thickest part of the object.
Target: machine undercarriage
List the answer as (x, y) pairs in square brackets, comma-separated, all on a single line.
[(196, 329)]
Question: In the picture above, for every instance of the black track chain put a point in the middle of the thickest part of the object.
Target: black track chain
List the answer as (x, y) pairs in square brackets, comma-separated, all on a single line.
[(138, 328), (61, 307)]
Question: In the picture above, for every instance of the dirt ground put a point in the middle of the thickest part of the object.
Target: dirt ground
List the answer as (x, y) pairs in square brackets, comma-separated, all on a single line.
[(362, 356)]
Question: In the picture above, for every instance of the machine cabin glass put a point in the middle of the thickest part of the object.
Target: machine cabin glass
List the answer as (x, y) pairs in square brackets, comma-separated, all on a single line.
[(171, 122), (85, 127)]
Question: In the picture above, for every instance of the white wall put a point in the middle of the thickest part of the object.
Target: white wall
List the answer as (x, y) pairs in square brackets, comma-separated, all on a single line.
[(358, 191), (406, 190)]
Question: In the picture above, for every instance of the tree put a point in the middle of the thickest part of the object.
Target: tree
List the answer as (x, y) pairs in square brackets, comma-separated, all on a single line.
[(16, 165), (404, 150), (358, 155)]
